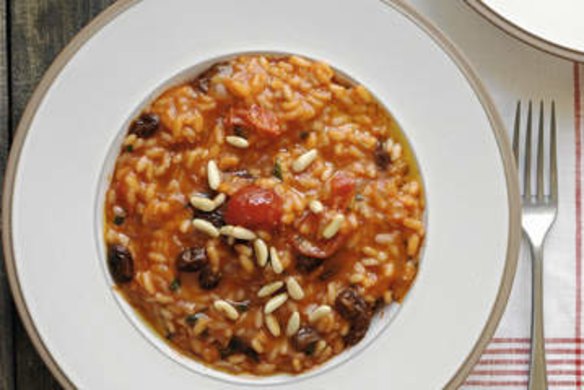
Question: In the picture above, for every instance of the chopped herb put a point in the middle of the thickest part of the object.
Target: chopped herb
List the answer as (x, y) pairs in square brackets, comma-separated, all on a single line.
[(192, 319), (359, 197), (277, 172), (239, 131), (129, 148), (242, 306), (243, 173), (309, 351), (174, 285), (304, 135), (118, 220)]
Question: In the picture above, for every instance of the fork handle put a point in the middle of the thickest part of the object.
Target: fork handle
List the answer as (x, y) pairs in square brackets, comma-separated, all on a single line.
[(537, 372)]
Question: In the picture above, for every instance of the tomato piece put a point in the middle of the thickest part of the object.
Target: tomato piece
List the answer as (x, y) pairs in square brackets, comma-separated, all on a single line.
[(343, 188), (254, 207), (263, 120), (258, 118), (321, 249), (314, 245)]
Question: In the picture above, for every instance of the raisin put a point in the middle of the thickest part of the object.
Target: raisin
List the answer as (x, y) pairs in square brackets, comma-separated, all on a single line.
[(306, 264), (381, 157), (145, 126), (120, 263), (357, 330), (305, 340), (215, 217), (351, 305), (208, 279), (376, 305), (237, 345), (328, 273), (191, 260), (203, 82)]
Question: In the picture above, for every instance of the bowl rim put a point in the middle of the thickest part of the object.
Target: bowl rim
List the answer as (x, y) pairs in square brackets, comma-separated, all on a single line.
[(524, 35), (407, 10)]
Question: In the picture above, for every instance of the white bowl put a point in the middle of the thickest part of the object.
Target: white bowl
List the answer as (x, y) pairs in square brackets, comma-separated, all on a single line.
[(88, 335)]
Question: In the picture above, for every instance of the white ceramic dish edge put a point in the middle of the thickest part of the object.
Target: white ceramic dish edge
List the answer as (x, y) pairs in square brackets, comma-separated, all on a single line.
[(525, 36)]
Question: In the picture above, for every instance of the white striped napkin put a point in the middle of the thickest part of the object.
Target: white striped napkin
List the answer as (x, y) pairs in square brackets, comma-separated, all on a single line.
[(512, 70)]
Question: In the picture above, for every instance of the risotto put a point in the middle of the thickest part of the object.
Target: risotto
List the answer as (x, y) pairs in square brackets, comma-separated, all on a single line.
[(259, 216)]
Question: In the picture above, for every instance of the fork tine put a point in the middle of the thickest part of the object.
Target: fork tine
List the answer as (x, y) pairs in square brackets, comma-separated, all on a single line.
[(553, 156), (540, 157), (516, 132), (527, 165)]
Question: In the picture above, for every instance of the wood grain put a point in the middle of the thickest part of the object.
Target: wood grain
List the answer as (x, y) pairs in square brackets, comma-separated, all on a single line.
[(6, 309), (39, 29)]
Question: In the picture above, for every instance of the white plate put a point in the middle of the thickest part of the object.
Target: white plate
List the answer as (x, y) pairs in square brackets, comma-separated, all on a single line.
[(52, 190), (554, 26)]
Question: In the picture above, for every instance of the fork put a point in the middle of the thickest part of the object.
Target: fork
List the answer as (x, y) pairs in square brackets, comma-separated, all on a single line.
[(539, 211)]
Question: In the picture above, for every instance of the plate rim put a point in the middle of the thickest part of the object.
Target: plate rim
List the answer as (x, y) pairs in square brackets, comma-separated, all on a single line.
[(408, 11), (524, 35)]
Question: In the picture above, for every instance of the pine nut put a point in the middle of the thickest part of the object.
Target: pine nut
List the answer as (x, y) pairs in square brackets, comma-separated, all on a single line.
[(275, 261), (272, 325), (320, 312), (237, 232), (293, 324), (294, 289), (226, 230), (275, 303), (334, 226), (261, 252), (226, 308), (206, 227), (238, 142), (219, 200), (203, 204), (304, 161), (213, 175), (316, 207), (270, 288), (243, 233)]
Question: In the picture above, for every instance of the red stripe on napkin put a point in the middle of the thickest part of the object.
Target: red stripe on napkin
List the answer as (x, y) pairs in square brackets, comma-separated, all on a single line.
[(548, 340), (523, 372), (518, 383), (519, 362), (578, 178), (520, 351)]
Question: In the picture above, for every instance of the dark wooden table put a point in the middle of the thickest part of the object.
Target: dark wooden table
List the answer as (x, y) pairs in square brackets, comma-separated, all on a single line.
[(32, 33)]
